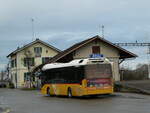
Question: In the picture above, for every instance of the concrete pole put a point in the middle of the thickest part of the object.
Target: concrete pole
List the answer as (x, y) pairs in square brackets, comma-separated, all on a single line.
[(148, 58)]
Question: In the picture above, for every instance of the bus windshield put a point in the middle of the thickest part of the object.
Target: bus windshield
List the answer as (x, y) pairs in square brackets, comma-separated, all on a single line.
[(98, 75), (98, 71)]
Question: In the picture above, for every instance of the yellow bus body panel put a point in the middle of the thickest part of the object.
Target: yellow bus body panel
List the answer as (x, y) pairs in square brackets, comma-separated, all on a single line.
[(77, 89)]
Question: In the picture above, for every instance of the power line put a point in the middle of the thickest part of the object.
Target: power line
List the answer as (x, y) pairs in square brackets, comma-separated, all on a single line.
[(132, 44), (138, 45)]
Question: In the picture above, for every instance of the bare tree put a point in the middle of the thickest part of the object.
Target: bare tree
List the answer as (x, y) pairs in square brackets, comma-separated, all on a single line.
[(29, 63), (2, 75), (139, 73)]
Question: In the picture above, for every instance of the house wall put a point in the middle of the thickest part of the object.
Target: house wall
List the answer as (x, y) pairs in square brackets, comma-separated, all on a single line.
[(13, 70), (20, 69), (105, 49)]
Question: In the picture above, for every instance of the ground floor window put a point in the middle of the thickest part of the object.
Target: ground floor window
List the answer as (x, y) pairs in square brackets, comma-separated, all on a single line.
[(28, 76)]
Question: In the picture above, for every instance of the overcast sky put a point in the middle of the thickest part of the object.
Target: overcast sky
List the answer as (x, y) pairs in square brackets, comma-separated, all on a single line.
[(62, 23)]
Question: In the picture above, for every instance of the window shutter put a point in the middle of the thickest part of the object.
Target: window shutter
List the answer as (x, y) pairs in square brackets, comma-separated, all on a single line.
[(40, 49), (96, 49), (32, 61), (43, 60), (25, 76), (24, 62), (15, 63), (35, 50)]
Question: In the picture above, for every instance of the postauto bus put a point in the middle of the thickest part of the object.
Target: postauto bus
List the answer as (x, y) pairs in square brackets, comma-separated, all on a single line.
[(82, 77)]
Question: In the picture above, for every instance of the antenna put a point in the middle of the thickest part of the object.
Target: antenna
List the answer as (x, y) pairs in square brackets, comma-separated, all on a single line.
[(102, 31), (33, 32)]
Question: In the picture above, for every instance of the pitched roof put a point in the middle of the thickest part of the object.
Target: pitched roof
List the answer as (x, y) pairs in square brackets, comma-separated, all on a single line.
[(34, 42), (123, 52)]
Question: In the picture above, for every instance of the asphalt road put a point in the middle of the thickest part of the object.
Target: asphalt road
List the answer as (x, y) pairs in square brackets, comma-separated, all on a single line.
[(18, 101)]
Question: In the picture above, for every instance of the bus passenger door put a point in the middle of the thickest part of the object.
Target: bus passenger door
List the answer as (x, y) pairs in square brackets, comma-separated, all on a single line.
[(84, 83)]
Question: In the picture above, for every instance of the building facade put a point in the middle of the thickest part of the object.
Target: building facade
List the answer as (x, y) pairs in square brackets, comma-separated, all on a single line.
[(25, 59), (100, 48), (95, 45)]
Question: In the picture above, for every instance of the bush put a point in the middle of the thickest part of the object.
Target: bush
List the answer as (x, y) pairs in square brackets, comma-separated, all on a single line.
[(11, 85), (117, 87)]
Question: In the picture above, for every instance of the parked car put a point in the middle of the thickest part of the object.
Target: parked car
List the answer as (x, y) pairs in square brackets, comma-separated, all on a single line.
[(2, 85)]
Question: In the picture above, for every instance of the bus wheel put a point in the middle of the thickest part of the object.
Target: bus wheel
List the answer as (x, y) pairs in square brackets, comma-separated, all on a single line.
[(48, 91), (69, 93)]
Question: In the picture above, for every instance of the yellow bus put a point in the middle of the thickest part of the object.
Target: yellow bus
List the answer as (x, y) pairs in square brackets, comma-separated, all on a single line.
[(82, 77)]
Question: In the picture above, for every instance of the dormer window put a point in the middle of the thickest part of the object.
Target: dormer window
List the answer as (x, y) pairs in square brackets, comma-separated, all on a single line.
[(38, 51)]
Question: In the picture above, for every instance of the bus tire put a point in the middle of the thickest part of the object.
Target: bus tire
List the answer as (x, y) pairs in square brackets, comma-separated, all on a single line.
[(69, 93), (48, 91)]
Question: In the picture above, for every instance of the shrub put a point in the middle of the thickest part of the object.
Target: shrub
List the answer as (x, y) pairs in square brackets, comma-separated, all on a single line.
[(11, 85)]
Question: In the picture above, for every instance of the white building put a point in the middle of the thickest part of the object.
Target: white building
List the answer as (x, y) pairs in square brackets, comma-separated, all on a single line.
[(23, 60)]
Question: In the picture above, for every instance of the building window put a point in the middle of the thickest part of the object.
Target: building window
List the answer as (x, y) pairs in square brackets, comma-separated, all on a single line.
[(38, 51), (45, 60), (13, 63), (28, 77), (96, 49), (28, 62)]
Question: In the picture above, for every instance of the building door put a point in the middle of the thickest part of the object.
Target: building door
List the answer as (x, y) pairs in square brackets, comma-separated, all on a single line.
[(96, 49)]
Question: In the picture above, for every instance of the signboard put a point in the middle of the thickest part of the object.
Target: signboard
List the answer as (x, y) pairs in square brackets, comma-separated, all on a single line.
[(96, 55)]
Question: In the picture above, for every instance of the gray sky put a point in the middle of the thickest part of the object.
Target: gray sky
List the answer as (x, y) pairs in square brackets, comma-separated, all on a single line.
[(65, 22)]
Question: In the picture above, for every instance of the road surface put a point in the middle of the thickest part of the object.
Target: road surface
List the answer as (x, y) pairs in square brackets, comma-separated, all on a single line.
[(18, 101)]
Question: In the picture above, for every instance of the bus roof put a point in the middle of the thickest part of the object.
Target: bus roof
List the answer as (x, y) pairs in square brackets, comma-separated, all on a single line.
[(77, 62)]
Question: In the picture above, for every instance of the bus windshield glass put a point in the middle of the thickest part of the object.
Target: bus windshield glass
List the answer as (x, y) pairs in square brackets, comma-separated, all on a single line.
[(98, 71)]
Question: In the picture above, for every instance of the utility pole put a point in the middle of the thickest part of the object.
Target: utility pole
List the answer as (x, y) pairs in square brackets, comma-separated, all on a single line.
[(33, 32), (2, 76), (148, 59)]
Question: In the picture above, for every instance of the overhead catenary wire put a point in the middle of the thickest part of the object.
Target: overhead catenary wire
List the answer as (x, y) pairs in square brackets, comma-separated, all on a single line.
[(137, 44)]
